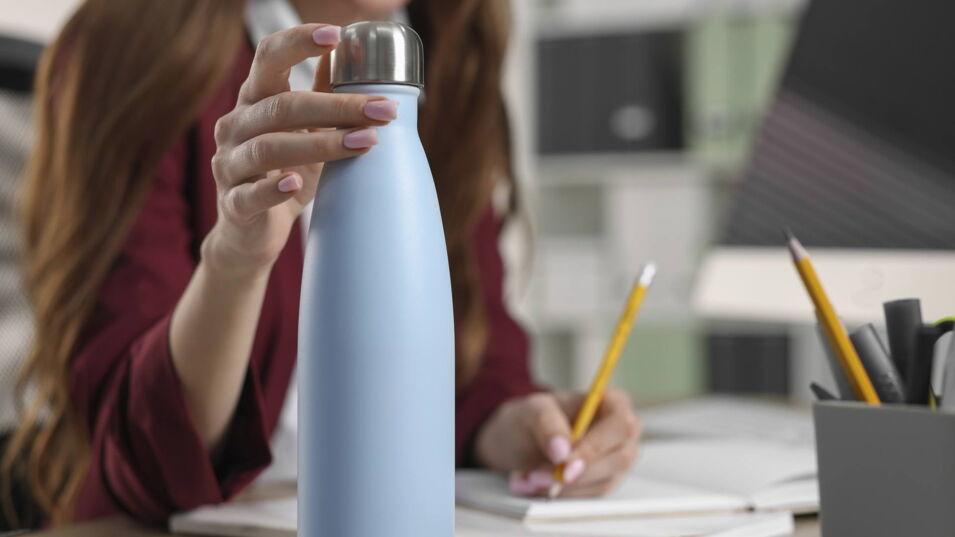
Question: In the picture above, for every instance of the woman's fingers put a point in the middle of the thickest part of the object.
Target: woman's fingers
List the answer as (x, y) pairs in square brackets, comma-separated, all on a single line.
[(278, 53), (530, 483), (616, 424), (298, 110), (608, 448), (550, 427), (580, 478), (605, 436), (280, 150), (607, 466), (250, 199)]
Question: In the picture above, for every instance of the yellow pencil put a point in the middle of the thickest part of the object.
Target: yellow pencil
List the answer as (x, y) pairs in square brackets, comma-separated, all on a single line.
[(612, 355), (842, 346)]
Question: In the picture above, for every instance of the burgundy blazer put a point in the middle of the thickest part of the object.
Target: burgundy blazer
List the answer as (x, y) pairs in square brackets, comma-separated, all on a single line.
[(146, 457)]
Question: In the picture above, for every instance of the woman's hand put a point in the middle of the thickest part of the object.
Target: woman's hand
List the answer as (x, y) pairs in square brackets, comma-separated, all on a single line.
[(527, 437), (271, 147), (270, 151)]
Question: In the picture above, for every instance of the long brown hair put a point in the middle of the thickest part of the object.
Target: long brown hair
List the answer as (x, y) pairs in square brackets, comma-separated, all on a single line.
[(106, 111)]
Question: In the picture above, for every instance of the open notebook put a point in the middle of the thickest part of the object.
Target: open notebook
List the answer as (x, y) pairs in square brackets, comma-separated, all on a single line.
[(673, 478), (276, 518), (703, 487)]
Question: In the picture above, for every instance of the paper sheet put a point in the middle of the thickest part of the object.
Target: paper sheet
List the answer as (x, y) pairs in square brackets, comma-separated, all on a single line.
[(673, 477), (276, 518), (737, 466), (736, 525), (636, 496)]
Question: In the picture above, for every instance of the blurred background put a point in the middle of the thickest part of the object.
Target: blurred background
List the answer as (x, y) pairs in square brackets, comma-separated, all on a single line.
[(637, 116), (689, 132)]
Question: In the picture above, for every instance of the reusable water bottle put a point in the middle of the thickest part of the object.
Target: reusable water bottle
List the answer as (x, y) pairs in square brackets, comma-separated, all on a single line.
[(376, 360)]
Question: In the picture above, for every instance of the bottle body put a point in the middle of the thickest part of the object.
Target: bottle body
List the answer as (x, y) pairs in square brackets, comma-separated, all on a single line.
[(376, 345)]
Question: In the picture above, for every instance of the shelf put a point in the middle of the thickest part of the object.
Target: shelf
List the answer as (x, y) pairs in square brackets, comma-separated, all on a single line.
[(598, 169), (557, 18)]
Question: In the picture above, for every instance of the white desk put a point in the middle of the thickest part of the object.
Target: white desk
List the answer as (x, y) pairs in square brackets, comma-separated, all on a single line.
[(469, 524)]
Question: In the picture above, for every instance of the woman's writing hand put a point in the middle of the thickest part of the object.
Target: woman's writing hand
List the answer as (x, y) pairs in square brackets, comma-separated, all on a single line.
[(271, 147), (527, 437)]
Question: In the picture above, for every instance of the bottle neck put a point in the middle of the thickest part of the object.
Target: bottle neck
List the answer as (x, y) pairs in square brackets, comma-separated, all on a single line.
[(407, 97)]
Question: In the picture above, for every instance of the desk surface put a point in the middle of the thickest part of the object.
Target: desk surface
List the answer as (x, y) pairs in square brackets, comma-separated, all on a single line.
[(471, 524), (121, 527), (466, 524)]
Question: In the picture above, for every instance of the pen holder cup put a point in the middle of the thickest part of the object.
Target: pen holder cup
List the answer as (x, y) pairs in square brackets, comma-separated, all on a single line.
[(885, 471)]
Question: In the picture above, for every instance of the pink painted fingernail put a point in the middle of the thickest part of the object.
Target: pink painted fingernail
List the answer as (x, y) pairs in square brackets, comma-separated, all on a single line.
[(362, 139), (386, 110), (558, 449), (327, 35), (519, 484), (573, 470), (290, 183)]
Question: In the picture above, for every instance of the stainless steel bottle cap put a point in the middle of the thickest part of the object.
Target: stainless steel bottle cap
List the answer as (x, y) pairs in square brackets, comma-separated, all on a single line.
[(378, 52)]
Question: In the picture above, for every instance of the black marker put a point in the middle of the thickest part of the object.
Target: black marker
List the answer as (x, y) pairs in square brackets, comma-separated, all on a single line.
[(903, 320)]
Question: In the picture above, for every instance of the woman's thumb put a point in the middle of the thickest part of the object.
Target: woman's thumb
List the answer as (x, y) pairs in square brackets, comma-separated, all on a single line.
[(551, 429)]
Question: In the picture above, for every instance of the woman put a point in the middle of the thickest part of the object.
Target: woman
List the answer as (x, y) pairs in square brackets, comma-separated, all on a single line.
[(164, 253)]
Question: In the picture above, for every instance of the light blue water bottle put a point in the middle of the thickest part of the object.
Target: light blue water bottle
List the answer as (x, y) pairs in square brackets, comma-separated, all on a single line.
[(376, 359)]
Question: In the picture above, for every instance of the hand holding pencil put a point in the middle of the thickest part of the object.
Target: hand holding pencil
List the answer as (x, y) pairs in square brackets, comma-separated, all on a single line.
[(591, 437), (596, 393)]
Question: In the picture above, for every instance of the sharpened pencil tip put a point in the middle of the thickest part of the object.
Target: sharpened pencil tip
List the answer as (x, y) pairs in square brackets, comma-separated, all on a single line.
[(788, 233), (796, 248), (554, 491)]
